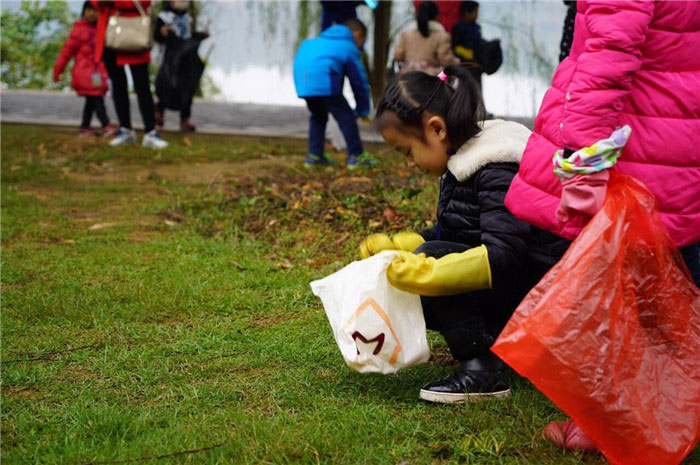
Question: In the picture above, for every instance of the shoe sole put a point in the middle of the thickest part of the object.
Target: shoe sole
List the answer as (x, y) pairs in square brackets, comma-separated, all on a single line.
[(458, 398), (123, 144)]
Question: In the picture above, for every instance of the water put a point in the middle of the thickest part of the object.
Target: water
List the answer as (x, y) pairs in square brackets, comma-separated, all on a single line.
[(254, 44)]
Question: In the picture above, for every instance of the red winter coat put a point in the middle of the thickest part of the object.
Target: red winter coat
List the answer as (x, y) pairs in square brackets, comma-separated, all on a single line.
[(81, 45), (125, 8)]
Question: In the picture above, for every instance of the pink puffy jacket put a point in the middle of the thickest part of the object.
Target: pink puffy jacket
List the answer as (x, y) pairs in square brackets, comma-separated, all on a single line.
[(635, 63)]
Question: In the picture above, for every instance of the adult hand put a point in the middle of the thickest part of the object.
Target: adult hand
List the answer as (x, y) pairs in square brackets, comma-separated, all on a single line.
[(164, 30)]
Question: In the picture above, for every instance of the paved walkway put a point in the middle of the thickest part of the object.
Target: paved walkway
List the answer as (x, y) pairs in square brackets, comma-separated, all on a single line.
[(212, 117)]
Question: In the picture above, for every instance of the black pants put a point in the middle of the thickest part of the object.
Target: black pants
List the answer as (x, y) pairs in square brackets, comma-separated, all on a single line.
[(691, 256), (94, 104), (185, 112), (120, 91), (319, 107), (469, 322)]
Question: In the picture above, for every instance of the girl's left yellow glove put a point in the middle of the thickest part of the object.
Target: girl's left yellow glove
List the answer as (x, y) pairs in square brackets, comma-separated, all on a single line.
[(452, 274), (408, 241)]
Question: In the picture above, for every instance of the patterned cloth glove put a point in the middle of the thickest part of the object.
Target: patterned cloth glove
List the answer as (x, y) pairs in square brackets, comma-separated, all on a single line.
[(452, 274), (584, 174)]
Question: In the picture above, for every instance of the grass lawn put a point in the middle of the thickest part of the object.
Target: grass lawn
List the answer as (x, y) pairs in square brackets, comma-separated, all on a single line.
[(156, 308)]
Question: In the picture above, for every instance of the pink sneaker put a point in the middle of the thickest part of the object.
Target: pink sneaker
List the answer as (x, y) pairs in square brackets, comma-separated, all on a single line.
[(87, 132), (110, 130), (186, 126), (568, 435)]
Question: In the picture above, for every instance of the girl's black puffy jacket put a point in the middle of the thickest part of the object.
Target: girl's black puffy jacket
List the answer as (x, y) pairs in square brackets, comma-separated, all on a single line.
[(471, 209)]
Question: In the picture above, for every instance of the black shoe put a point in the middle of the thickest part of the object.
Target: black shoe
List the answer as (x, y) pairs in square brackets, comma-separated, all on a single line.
[(478, 379)]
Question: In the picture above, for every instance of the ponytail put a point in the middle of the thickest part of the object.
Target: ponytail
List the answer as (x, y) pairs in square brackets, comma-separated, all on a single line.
[(426, 12), (457, 100), (466, 107)]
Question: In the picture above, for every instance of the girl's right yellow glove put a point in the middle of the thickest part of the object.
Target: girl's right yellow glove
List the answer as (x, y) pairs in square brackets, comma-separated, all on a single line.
[(455, 273), (406, 241)]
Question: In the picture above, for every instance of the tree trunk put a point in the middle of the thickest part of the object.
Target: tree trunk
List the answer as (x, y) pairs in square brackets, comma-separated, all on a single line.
[(382, 23)]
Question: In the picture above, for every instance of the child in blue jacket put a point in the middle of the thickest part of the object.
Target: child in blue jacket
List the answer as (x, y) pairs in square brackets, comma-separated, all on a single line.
[(320, 67)]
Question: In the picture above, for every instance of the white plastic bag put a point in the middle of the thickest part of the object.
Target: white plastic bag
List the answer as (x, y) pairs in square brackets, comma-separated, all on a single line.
[(378, 328)]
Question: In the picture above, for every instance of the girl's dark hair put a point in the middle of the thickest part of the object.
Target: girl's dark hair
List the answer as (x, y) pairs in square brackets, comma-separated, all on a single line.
[(427, 11), (411, 96), (87, 5)]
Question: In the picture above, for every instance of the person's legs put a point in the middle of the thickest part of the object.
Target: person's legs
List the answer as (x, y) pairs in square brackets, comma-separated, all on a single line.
[(87, 112), (159, 114), (345, 117), (317, 124), (139, 73), (691, 256), (460, 319), (317, 129), (185, 113), (343, 114), (101, 111), (120, 90)]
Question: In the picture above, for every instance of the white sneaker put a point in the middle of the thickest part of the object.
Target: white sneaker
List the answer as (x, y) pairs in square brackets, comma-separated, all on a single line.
[(125, 136), (153, 140)]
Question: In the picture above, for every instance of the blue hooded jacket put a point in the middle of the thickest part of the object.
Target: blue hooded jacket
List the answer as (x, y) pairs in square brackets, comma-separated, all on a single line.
[(321, 64)]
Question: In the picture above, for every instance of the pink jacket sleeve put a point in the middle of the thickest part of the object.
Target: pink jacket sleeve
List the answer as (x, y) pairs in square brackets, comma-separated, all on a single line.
[(602, 78)]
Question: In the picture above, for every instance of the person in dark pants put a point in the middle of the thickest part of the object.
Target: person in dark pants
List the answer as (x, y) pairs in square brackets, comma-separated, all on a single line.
[(176, 24), (115, 61), (89, 76), (320, 67)]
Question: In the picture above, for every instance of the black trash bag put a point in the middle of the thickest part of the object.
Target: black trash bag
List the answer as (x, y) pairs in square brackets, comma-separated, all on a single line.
[(180, 72), (489, 55)]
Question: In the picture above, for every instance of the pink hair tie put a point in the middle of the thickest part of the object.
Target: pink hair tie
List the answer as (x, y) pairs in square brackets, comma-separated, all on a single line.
[(442, 76)]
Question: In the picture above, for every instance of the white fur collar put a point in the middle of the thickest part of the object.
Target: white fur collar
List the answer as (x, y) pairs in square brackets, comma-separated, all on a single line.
[(433, 26), (499, 141)]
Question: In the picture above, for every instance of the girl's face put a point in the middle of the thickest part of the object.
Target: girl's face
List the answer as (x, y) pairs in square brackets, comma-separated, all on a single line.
[(91, 15), (429, 156)]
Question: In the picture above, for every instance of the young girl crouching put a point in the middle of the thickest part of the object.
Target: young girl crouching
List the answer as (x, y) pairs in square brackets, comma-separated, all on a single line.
[(474, 267)]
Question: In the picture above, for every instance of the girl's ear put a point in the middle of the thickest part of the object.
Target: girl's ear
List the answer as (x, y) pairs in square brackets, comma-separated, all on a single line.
[(436, 126)]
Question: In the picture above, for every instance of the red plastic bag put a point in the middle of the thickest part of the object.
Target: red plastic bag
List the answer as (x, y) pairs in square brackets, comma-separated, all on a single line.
[(612, 334)]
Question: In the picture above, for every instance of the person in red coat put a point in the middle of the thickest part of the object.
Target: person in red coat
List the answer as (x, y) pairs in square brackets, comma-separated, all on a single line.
[(449, 12), (89, 76), (115, 61)]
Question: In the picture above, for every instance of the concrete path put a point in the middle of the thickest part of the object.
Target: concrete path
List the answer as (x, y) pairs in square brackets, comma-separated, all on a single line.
[(212, 117)]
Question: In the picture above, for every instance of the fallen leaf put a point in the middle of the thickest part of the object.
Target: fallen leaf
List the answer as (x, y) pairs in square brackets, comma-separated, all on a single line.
[(283, 265), (329, 216), (97, 226), (390, 214), (345, 211), (15, 168), (187, 141), (403, 173), (320, 261), (69, 241), (297, 205), (237, 265), (374, 224), (169, 223)]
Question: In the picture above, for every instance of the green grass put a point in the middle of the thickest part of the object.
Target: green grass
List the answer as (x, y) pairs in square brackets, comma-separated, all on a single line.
[(155, 304)]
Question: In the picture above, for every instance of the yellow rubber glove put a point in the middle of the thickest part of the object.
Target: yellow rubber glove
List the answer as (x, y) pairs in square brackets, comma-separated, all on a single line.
[(408, 241), (452, 274)]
